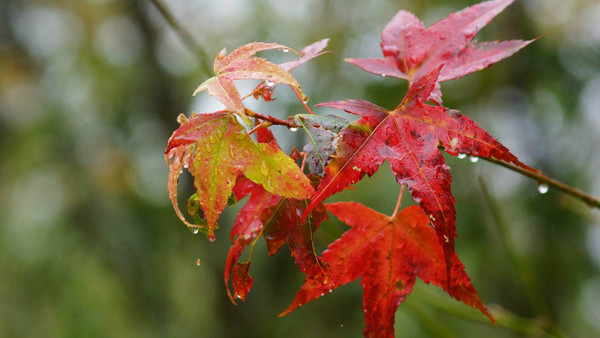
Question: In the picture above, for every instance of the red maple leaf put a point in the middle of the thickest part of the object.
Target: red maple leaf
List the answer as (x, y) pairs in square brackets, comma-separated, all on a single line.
[(278, 219), (388, 253), (409, 137), (410, 50)]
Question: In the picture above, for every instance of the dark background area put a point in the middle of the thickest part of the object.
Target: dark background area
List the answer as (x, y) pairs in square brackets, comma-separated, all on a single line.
[(89, 243)]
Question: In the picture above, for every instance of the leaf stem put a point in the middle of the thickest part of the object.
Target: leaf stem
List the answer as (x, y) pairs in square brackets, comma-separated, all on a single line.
[(303, 162), (399, 202), (269, 118), (260, 125), (590, 200), (302, 100), (184, 35)]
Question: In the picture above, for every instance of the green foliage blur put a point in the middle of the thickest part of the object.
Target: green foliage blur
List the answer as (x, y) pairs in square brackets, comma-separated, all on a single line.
[(90, 246)]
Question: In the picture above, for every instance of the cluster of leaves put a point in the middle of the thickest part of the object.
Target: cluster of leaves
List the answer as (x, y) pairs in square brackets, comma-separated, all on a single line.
[(286, 205)]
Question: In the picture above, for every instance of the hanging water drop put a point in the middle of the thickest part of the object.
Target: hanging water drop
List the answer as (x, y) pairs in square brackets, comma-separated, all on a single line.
[(285, 50), (383, 75), (462, 156), (474, 159), (195, 231), (305, 100), (293, 129), (198, 262), (211, 238), (543, 188), (269, 83)]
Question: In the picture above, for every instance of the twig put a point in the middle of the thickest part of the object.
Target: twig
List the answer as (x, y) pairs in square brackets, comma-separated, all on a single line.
[(184, 35), (269, 118), (541, 178)]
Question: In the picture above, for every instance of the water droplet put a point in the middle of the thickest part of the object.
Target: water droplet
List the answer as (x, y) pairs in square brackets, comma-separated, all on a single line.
[(474, 159), (341, 325), (454, 142), (185, 165), (195, 231), (294, 129), (285, 50), (238, 296), (446, 239), (198, 262), (269, 83), (211, 238), (461, 156), (383, 75), (305, 100), (543, 188)]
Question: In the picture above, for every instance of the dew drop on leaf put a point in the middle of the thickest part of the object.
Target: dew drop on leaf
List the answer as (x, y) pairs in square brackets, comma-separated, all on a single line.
[(294, 129), (543, 188), (269, 83), (383, 75), (474, 159), (461, 156), (285, 50), (195, 230)]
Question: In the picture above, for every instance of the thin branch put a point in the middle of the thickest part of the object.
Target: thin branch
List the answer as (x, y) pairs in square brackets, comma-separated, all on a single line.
[(541, 178), (184, 35), (271, 119)]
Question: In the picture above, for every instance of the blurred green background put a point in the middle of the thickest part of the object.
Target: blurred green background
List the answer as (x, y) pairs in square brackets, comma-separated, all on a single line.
[(90, 246)]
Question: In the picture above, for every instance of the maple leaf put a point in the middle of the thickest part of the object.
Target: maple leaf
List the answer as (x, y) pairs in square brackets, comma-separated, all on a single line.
[(215, 148), (388, 253), (246, 228), (306, 54), (321, 132), (408, 137), (278, 219), (240, 65), (410, 50)]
